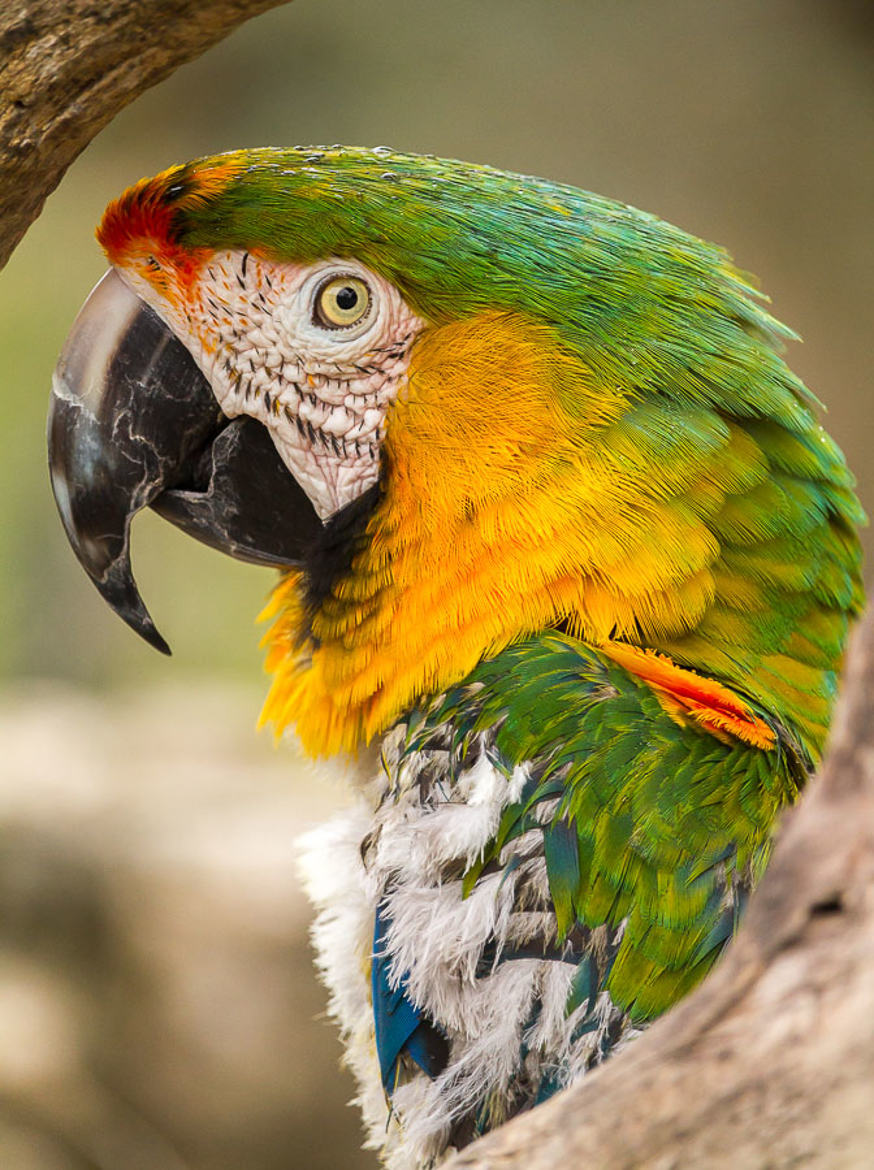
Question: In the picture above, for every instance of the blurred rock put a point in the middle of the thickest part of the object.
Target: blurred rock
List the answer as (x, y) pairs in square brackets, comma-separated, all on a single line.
[(158, 1009)]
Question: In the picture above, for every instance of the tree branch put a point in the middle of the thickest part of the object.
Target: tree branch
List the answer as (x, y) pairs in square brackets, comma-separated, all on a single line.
[(66, 69), (771, 1062)]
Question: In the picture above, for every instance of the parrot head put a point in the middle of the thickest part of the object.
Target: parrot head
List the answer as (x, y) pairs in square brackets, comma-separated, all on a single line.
[(454, 406)]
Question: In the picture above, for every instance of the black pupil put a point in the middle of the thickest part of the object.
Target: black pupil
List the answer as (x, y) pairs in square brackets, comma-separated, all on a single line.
[(347, 298)]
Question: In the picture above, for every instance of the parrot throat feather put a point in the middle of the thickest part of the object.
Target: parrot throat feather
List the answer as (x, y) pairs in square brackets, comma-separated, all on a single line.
[(526, 526)]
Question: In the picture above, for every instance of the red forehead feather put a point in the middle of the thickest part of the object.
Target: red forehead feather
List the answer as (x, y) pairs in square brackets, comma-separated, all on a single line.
[(142, 213), (143, 217)]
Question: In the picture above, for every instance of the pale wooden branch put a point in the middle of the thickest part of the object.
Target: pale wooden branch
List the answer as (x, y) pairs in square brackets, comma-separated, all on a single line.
[(68, 66), (771, 1062)]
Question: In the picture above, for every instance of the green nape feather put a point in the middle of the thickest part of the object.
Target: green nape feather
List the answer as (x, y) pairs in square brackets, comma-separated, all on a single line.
[(642, 818)]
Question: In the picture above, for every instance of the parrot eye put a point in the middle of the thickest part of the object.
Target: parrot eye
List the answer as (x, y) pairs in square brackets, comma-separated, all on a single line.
[(341, 302)]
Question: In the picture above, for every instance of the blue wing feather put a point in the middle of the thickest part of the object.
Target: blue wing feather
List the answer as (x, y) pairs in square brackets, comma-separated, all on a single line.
[(400, 1026)]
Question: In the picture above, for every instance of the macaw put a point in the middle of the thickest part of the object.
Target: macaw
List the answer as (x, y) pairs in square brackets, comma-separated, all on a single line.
[(566, 570)]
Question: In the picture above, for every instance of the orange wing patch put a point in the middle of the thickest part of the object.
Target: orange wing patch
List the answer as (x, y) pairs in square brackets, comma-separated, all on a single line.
[(685, 695)]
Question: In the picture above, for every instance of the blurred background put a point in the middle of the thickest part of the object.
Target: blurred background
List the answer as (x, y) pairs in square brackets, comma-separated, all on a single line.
[(157, 1005)]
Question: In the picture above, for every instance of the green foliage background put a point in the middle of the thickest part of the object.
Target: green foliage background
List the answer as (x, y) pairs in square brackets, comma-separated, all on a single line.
[(748, 123)]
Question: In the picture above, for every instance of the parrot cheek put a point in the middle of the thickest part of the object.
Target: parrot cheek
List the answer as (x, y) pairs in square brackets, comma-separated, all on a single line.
[(133, 422), (333, 471), (321, 391)]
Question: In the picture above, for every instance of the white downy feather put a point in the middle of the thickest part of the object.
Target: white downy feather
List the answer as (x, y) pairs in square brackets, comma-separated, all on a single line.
[(406, 844)]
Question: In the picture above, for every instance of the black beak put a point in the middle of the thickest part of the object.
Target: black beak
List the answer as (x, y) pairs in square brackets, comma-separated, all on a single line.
[(133, 422)]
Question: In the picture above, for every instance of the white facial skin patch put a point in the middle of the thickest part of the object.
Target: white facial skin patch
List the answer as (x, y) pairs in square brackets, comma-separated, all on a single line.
[(315, 352)]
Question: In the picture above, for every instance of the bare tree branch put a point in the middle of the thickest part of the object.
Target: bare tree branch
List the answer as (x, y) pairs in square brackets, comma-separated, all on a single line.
[(68, 66), (771, 1062)]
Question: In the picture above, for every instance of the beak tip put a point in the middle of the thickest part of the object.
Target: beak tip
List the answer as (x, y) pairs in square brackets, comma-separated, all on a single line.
[(141, 623), (160, 645), (117, 587)]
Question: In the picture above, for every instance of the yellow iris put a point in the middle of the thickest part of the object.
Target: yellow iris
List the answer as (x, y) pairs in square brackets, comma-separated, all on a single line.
[(342, 302)]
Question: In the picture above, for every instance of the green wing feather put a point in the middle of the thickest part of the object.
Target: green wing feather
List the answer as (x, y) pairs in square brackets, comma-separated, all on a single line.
[(662, 826)]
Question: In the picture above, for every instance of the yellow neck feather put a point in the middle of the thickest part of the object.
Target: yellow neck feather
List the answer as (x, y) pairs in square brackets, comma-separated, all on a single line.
[(506, 509)]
